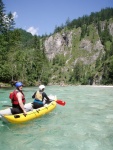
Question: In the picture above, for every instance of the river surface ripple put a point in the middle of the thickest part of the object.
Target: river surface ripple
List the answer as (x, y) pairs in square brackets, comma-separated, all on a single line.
[(84, 123)]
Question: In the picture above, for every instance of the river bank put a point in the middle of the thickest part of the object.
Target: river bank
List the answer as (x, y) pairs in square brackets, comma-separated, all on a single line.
[(7, 85), (3, 85)]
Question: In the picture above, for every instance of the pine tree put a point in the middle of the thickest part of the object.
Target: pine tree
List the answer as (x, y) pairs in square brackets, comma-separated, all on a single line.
[(2, 16), (9, 22)]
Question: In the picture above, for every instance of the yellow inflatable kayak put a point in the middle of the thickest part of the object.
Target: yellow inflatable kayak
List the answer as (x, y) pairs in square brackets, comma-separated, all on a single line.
[(32, 114)]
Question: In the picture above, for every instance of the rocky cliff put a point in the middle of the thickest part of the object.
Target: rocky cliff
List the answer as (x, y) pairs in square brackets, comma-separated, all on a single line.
[(74, 49)]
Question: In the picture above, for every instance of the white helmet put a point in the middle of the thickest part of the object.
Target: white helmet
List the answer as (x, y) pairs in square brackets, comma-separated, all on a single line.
[(41, 87)]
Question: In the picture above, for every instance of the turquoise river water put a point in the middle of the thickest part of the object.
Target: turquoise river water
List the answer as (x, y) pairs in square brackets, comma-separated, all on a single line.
[(84, 123)]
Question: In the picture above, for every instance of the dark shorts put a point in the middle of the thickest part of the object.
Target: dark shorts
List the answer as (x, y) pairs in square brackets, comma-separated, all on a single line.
[(37, 105), (16, 110)]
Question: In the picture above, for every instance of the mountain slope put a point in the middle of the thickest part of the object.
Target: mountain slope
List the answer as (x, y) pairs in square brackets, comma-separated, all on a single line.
[(67, 49)]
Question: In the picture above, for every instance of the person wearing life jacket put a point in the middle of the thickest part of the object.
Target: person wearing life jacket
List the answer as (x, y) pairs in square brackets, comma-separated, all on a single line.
[(39, 97), (18, 99)]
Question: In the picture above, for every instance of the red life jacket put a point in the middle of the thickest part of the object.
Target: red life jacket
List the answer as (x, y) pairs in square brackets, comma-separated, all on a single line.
[(13, 97)]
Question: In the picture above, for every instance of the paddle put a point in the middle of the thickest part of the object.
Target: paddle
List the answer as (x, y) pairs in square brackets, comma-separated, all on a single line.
[(60, 102), (6, 106)]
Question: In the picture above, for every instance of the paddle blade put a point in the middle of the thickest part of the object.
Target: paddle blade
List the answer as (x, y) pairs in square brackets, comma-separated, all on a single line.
[(60, 102), (6, 106)]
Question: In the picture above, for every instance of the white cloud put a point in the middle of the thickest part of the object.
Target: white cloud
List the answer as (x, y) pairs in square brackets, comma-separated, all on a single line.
[(15, 15), (32, 30)]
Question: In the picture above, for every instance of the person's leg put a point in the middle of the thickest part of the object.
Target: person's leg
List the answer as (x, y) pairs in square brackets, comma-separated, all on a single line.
[(37, 105), (16, 111)]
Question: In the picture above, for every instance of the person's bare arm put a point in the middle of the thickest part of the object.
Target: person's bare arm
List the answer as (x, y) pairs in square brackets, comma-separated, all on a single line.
[(19, 96)]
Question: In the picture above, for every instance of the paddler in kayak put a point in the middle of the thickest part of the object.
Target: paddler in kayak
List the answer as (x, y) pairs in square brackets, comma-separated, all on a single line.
[(39, 97), (18, 99)]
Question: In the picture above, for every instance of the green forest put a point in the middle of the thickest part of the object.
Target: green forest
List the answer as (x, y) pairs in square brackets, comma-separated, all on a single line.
[(23, 57)]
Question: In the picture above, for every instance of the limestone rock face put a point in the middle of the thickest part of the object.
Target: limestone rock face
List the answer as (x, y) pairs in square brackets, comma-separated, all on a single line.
[(64, 43), (56, 44), (111, 28), (76, 47)]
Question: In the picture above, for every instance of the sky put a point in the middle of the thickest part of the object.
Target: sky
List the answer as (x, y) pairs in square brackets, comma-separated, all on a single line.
[(40, 17)]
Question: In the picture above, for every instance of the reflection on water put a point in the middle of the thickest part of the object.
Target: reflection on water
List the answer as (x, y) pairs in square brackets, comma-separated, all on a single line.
[(84, 123)]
